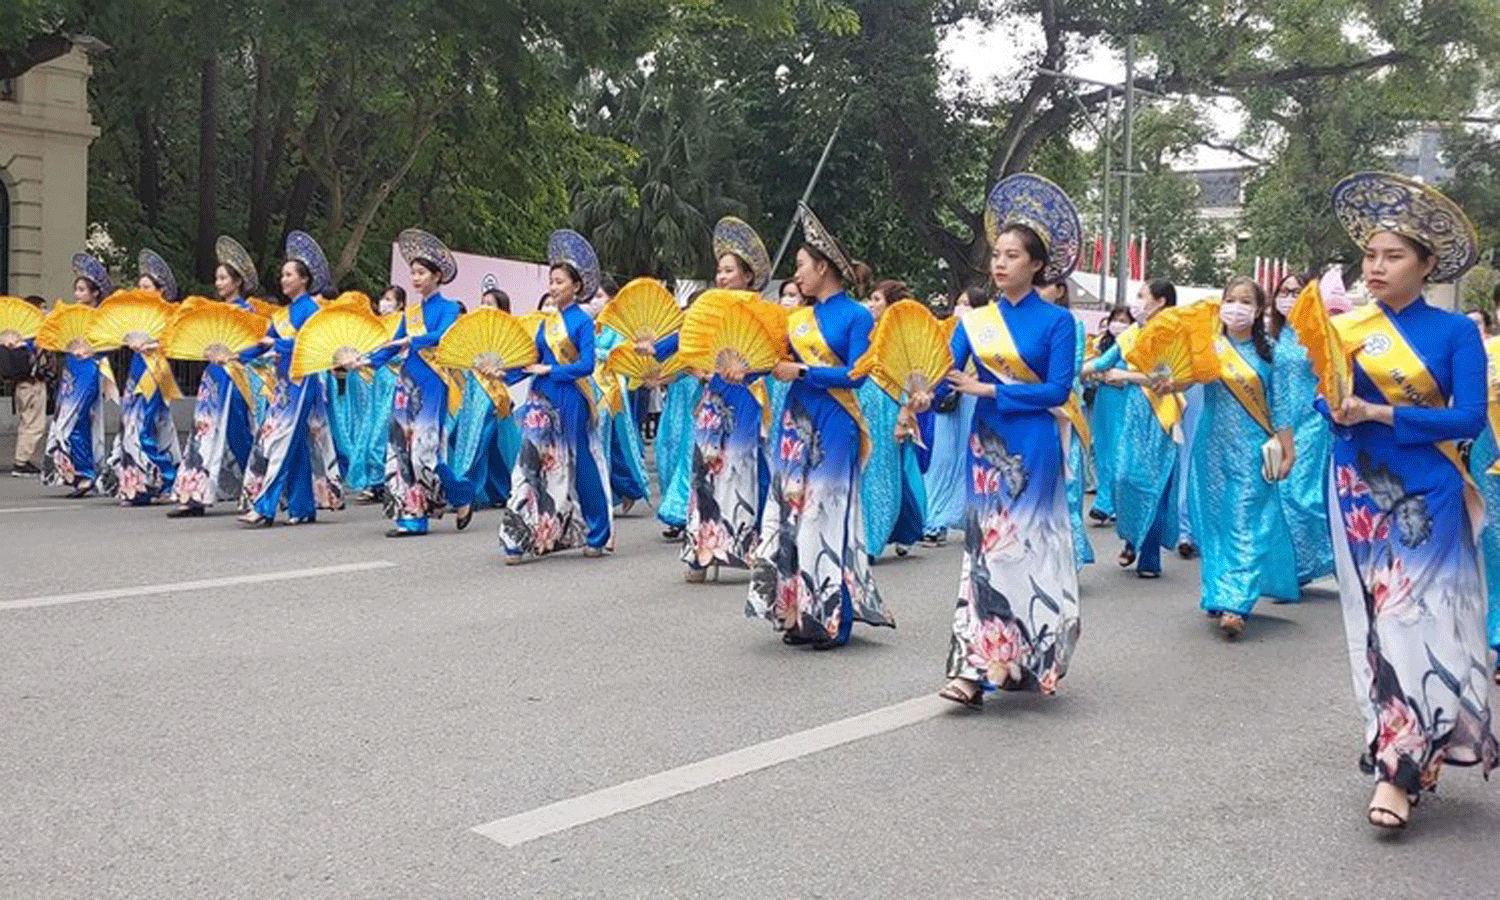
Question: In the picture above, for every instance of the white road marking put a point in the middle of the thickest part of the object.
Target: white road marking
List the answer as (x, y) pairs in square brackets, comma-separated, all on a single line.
[(27, 509), (176, 587), (513, 831)]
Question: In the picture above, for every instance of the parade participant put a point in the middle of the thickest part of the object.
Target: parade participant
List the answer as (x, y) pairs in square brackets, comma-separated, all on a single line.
[(1106, 418), (1302, 495), (810, 573), (791, 297), (144, 459), (1411, 584), (1145, 485), (75, 440), (372, 404), (628, 483), (559, 495), (948, 465), (419, 483), (1054, 289), (485, 440), (213, 466), (293, 463), (729, 474), (674, 447), (892, 491), (1017, 619)]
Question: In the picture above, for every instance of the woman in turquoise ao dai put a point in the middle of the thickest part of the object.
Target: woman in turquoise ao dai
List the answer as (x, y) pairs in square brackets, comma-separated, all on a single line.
[(1303, 496), (674, 454), (893, 493), (810, 573), (1241, 534), (1484, 468), (729, 475), (213, 466), (1107, 418), (75, 439), (559, 494), (1017, 619), (419, 482), (485, 439), (143, 462), (1145, 482), (1056, 291), (370, 403)]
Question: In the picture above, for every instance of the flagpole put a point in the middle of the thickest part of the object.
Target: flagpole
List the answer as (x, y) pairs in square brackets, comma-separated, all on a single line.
[(791, 227)]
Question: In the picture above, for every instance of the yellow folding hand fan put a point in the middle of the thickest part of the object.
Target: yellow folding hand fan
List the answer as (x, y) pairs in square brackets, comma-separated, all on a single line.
[(643, 310), (392, 322), (350, 300), (1325, 348), (335, 337), (19, 320), (638, 368), (1176, 345), (128, 317), (908, 352), (263, 307), (66, 327), (723, 332), (211, 331), (487, 339)]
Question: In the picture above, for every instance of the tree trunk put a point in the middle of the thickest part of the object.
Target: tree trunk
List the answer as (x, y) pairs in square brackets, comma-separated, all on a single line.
[(378, 197), (298, 201), (260, 153), (208, 165), (148, 171)]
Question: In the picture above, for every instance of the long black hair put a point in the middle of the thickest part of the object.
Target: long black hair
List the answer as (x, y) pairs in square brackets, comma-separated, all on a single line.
[(1107, 339), (1278, 320), (1258, 334)]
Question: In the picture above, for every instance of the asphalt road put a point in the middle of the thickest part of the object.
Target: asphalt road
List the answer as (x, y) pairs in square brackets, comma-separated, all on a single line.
[(341, 735)]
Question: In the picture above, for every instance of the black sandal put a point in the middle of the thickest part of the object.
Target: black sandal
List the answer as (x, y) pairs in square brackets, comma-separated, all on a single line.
[(966, 699), (1396, 823), (1127, 558), (465, 517), (792, 640)]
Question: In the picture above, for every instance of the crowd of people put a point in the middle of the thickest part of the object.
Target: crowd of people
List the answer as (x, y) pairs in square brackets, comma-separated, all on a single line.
[(806, 471)]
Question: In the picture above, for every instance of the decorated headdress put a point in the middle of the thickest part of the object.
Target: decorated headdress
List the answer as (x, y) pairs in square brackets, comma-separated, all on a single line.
[(824, 242), (1368, 203), (301, 247), (1033, 201), (86, 266), (417, 244), (229, 253), (570, 247), (735, 236), (151, 264)]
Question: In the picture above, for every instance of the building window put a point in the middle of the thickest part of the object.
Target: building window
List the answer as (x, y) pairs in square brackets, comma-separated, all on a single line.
[(4, 239), (8, 89)]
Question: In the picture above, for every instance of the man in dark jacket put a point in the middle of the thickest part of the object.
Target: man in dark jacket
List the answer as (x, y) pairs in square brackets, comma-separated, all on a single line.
[(28, 379)]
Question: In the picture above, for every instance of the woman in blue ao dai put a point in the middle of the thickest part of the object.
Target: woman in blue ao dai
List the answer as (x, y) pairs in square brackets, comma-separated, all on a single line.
[(1106, 419), (213, 466), (371, 403), (1017, 619), (143, 462), (559, 495), (810, 573), (1303, 495), (1410, 581), (75, 439), (1241, 534), (293, 464)]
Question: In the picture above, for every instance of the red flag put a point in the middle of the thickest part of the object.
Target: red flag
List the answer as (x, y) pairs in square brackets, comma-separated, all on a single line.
[(1134, 257), (1145, 266)]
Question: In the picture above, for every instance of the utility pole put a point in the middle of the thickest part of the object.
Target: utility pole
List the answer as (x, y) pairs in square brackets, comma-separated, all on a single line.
[(1106, 139), (1122, 266)]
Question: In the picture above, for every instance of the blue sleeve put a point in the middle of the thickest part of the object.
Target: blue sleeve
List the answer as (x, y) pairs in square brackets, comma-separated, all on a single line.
[(666, 346), (829, 377), (583, 339), (1281, 390), (1057, 383), (1106, 360), (1463, 418), (384, 355), (959, 345), (426, 341)]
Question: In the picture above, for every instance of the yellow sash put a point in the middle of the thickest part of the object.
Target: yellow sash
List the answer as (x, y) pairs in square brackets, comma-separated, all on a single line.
[(1167, 407), (110, 390), (158, 374), (996, 348), (555, 333), (1492, 355), (1396, 369), (416, 326), (1243, 382), (810, 346)]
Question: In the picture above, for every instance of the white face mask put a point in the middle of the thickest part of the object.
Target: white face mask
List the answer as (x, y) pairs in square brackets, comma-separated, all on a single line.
[(387, 306), (1117, 327), (1237, 315), (1137, 308), (1285, 302)]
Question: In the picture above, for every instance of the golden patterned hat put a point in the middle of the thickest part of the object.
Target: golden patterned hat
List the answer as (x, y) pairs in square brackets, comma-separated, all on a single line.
[(302, 247), (569, 247), (152, 265), (735, 236), (821, 240), (417, 244), (1033, 201), (92, 270), (231, 253), (1368, 203)]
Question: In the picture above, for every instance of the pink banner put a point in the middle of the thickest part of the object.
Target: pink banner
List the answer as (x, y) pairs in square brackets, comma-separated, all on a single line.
[(524, 282)]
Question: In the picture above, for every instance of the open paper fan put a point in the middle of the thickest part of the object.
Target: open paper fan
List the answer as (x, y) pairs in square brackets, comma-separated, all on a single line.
[(66, 325), (392, 322), (637, 367), (264, 307), (209, 330), (487, 338), (531, 321), (1325, 349), (129, 316), (908, 352), (643, 310), (19, 319), (722, 328), (1177, 344), (335, 337), (349, 300)]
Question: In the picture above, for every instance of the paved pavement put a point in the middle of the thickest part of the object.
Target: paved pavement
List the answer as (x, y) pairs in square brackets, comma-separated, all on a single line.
[(342, 734)]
